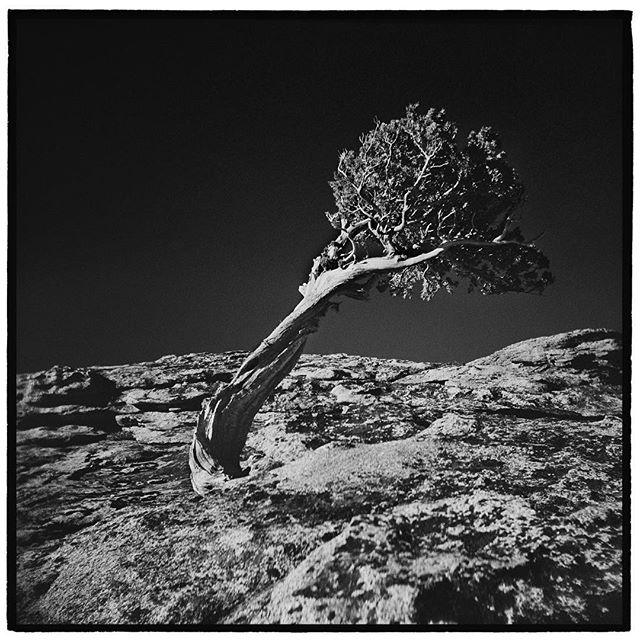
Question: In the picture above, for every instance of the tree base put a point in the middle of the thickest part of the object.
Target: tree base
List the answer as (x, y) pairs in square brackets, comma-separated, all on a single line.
[(207, 475)]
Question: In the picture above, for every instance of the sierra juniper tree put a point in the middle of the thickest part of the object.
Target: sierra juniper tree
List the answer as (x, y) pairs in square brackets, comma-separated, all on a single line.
[(416, 212)]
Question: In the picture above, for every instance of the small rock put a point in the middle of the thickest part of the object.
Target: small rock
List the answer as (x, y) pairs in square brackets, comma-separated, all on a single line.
[(454, 425), (316, 374), (344, 395)]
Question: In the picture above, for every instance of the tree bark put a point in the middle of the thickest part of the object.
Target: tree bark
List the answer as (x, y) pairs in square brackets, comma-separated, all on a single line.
[(225, 419)]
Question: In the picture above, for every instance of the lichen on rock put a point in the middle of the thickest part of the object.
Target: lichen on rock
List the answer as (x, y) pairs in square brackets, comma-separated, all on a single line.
[(380, 492)]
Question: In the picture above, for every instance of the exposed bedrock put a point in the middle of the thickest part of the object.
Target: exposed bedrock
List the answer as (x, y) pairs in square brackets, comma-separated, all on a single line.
[(380, 491)]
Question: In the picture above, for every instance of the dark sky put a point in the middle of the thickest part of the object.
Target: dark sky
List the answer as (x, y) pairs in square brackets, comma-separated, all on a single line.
[(171, 175)]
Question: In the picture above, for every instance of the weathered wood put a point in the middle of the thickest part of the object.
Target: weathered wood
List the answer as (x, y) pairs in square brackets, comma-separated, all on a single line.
[(225, 419)]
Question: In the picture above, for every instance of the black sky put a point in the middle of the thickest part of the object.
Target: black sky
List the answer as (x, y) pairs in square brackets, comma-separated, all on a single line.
[(171, 174)]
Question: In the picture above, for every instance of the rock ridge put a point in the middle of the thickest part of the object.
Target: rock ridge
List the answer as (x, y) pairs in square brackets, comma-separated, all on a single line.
[(380, 492)]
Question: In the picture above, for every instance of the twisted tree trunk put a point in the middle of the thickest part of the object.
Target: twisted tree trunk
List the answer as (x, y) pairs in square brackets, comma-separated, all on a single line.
[(226, 418)]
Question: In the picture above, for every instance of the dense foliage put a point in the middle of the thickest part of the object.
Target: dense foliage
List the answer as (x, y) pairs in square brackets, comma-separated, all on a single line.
[(411, 187)]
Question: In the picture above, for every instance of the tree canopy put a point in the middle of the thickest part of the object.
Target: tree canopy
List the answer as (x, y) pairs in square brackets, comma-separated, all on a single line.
[(411, 187)]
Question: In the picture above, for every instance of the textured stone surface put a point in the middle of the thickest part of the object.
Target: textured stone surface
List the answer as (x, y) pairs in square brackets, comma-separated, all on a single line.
[(381, 491)]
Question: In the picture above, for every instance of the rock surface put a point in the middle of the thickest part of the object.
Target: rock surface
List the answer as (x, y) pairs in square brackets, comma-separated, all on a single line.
[(381, 491)]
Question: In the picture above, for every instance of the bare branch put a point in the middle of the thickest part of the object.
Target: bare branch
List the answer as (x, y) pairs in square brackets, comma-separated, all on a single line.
[(390, 153), (442, 220), (358, 191), (419, 146), (352, 252), (505, 230), (405, 206), (392, 263), (453, 187), (346, 232)]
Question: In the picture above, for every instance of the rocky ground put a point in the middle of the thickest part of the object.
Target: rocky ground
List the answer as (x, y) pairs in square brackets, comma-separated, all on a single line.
[(381, 491)]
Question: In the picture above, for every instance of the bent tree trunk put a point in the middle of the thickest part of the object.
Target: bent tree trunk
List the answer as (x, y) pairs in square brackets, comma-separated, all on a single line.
[(226, 418)]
